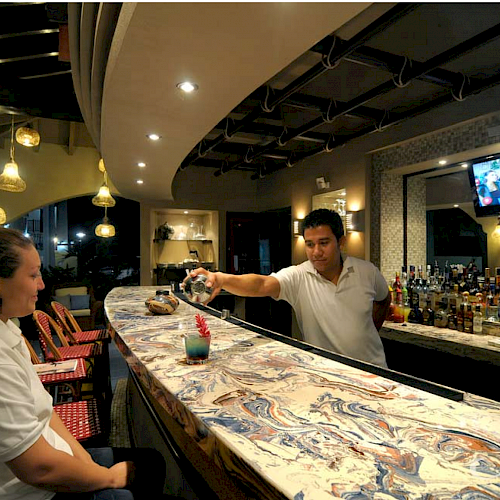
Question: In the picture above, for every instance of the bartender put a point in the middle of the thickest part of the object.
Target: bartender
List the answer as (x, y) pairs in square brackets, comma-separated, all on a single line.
[(340, 304)]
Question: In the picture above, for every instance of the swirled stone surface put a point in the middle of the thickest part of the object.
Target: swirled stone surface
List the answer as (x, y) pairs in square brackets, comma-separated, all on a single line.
[(291, 424)]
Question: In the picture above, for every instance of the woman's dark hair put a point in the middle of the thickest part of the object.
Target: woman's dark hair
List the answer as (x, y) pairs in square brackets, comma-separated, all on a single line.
[(11, 241), (324, 217)]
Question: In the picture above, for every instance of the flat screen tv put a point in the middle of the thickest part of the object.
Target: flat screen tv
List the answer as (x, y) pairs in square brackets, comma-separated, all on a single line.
[(484, 176)]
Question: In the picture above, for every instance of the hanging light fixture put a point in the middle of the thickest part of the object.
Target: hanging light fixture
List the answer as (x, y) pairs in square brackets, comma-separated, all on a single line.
[(496, 232), (101, 166), (9, 179), (103, 198), (3, 216), (28, 137), (105, 230)]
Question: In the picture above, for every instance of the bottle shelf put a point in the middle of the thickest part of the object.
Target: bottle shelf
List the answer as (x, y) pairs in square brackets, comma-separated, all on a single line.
[(190, 241)]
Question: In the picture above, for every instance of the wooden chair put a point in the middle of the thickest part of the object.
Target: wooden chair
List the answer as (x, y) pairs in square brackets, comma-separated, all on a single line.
[(45, 325), (72, 329), (61, 385), (95, 354)]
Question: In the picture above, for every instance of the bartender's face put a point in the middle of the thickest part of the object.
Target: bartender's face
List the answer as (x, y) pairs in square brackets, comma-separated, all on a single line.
[(323, 249)]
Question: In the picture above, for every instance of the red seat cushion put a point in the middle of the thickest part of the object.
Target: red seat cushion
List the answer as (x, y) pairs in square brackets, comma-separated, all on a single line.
[(81, 418), (77, 351), (90, 336)]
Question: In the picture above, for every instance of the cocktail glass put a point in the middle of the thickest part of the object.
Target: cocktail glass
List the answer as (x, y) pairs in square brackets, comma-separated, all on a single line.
[(197, 348)]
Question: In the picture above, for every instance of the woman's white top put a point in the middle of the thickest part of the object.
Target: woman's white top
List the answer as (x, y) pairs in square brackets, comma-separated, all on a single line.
[(25, 413)]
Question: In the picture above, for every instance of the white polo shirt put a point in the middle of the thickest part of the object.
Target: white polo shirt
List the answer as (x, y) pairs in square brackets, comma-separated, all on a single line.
[(337, 317), (25, 413)]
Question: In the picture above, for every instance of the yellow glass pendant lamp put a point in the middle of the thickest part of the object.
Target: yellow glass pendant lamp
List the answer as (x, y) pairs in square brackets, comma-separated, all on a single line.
[(28, 137), (105, 230), (9, 179), (3, 216), (103, 198)]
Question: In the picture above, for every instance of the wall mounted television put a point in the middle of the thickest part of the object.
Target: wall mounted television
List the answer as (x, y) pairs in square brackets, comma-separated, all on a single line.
[(484, 177)]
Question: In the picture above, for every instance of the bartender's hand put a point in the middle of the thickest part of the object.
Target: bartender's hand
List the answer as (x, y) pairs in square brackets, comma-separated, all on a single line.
[(212, 281)]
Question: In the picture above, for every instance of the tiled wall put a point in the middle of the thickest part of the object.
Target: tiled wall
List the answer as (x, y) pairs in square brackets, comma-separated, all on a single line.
[(386, 205)]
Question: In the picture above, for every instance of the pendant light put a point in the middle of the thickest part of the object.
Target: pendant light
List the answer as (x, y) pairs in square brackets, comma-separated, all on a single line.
[(105, 230), (3, 216), (103, 198), (496, 232), (28, 137), (9, 179)]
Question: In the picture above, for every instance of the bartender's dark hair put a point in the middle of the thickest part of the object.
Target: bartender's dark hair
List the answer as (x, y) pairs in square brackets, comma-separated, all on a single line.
[(10, 242), (324, 217)]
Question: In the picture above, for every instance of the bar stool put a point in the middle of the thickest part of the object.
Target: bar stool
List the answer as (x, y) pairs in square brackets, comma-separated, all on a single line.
[(81, 418), (45, 324), (71, 380), (96, 355), (72, 329)]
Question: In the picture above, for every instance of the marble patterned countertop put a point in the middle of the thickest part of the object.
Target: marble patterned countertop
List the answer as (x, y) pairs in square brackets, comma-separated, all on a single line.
[(479, 347), (304, 427)]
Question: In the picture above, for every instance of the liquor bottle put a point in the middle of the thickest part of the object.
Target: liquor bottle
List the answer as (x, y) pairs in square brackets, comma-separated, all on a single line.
[(478, 321), (390, 312), (416, 293), (452, 318), (436, 269), (468, 319), (415, 315), (460, 317), (440, 317), (455, 298), (428, 314), (398, 304), (422, 296)]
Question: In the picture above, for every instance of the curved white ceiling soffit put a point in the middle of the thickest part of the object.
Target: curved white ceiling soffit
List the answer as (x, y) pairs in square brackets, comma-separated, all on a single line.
[(91, 29), (228, 49)]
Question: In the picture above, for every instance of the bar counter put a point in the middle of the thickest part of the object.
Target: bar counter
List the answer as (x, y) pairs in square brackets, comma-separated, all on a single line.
[(478, 347), (282, 422)]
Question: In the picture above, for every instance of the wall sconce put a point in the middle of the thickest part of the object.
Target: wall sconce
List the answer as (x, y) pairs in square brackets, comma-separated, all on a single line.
[(297, 227), (355, 221)]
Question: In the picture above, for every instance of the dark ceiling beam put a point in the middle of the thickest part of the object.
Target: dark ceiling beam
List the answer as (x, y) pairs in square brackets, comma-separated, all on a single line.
[(459, 50), (29, 33), (329, 62), (391, 63), (28, 58), (391, 119)]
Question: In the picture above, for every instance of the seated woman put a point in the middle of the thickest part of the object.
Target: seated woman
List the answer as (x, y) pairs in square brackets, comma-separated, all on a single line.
[(39, 458)]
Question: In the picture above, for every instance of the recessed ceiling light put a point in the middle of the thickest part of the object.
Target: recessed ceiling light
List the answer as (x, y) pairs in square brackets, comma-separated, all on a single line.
[(187, 87), (456, 206), (443, 162), (464, 165), (153, 137), (141, 164), (186, 212), (140, 181)]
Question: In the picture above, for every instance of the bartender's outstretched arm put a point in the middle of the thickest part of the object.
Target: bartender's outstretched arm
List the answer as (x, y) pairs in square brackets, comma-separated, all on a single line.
[(244, 285)]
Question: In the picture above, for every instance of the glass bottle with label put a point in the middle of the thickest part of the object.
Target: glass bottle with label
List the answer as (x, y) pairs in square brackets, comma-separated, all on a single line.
[(428, 314), (452, 318), (440, 317), (460, 317), (478, 321), (468, 319)]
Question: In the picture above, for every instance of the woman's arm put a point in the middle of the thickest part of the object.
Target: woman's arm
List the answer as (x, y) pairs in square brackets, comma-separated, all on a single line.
[(78, 450), (44, 467)]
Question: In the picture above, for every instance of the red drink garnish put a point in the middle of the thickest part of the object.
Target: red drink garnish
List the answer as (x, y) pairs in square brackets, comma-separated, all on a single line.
[(201, 324)]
